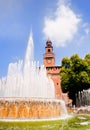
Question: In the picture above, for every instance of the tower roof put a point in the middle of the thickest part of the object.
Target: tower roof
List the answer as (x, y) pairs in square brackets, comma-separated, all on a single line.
[(49, 43)]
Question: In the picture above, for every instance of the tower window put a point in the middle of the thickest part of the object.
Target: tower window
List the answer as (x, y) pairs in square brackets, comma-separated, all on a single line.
[(48, 50), (57, 83)]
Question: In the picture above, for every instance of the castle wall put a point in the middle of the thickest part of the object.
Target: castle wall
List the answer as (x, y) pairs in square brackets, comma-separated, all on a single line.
[(54, 73)]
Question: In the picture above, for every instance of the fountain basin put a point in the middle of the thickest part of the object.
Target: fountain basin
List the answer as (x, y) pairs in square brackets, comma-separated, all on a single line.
[(33, 108)]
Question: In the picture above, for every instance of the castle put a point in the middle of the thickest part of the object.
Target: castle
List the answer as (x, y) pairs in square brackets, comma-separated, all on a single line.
[(54, 71)]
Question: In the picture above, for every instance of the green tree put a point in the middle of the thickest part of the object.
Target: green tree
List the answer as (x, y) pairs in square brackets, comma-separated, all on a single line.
[(75, 75)]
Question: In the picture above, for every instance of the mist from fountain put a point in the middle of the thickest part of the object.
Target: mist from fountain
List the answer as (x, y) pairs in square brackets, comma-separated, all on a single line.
[(26, 78)]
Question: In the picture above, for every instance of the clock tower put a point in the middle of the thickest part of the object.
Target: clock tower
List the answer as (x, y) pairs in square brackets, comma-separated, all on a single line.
[(54, 72), (48, 57)]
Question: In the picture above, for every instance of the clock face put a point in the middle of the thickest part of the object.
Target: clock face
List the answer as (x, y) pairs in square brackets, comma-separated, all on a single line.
[(49, 61)]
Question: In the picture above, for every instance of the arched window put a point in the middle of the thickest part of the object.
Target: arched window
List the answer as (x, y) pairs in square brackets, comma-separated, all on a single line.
[(48, 50)]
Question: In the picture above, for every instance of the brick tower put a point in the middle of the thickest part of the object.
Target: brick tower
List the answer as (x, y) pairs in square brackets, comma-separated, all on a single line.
[(52, 70), (49, 58)]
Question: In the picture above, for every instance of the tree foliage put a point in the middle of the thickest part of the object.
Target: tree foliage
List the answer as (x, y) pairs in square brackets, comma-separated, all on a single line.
[(75, 75)]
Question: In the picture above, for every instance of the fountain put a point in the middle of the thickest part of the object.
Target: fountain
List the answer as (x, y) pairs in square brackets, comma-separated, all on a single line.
[(83, 98), (83, 102), (27, 91)]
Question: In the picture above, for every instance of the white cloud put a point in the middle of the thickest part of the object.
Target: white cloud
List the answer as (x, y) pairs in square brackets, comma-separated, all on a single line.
[(62, 26), (84, 34), (86, 28)]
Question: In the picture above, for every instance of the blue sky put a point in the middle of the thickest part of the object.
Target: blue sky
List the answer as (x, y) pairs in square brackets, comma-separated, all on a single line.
[(65, 22)]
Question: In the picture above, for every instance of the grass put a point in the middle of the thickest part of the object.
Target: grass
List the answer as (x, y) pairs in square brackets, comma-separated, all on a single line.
[(70, 124)]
